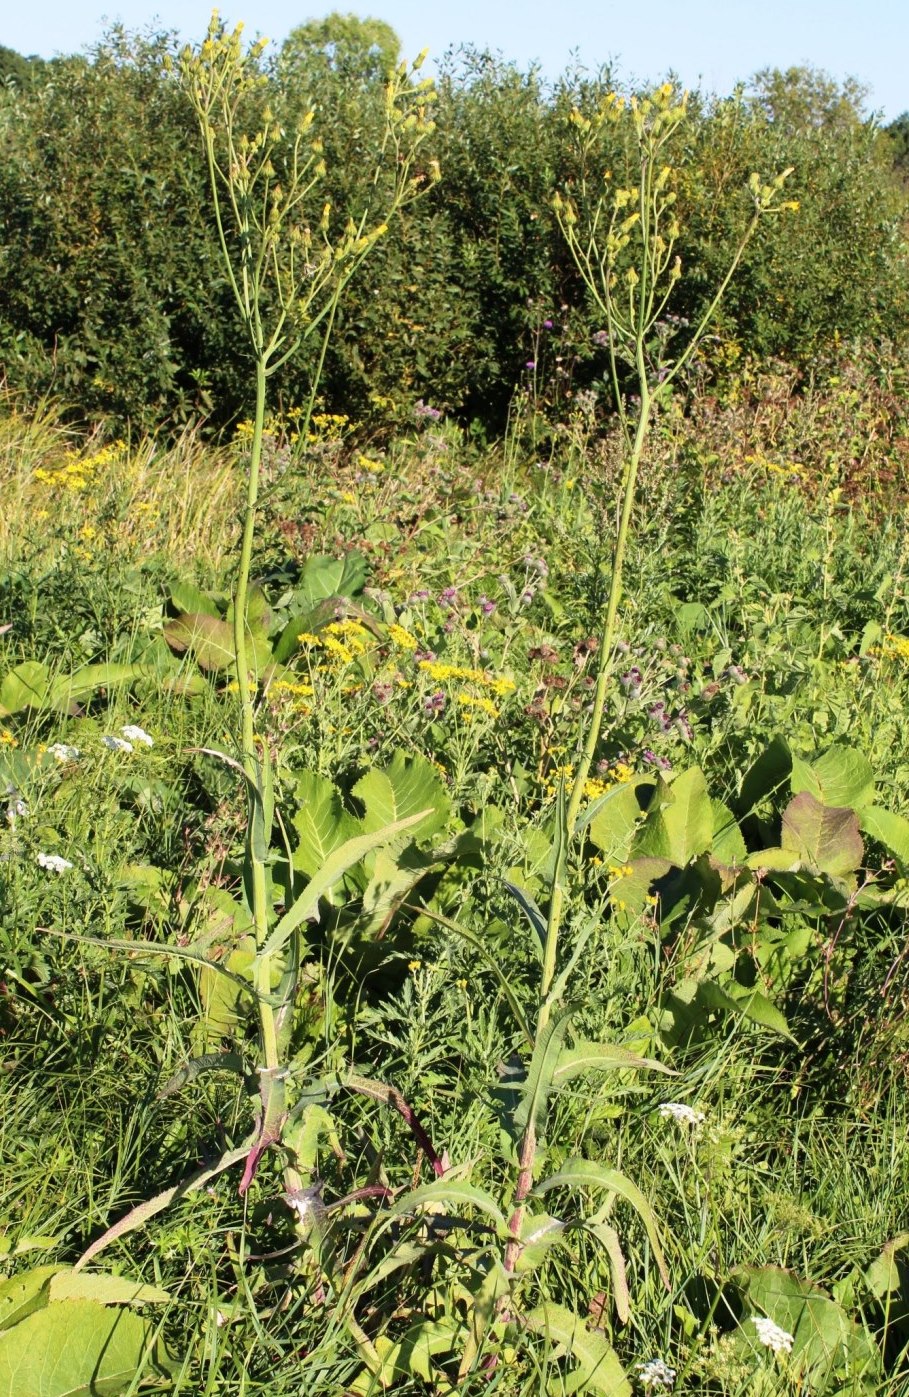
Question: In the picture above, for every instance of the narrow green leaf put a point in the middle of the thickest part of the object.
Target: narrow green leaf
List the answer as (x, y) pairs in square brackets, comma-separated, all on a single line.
[(535, 918), (446, 1194), (586, 1173), (103, 1289), (143, 1212), (335, 866), (601, 1057), (535, 1090)]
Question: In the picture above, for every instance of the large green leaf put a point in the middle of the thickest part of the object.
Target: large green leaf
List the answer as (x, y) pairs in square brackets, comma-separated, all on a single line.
[(184, 596), (26, 686), (738, 999), (211, 641), (841, 777), (728, 843), (830, 1353), (613, 818), (683, 828), (407, 785), (324, 576), (888, 829), (768, 774), (598, 1366), (824, 837), (20, 1295), (320, 821), (588, 1173), (77, 1349)]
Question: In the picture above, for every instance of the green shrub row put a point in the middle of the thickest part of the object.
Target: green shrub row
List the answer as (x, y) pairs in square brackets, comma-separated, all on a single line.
[(112, 294)]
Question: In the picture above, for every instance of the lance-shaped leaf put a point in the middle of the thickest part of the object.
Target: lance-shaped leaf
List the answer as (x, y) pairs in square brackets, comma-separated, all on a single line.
[(609, 1240), (143, 1212), (538, 1084), (587, 1173), (334, 867), (599, 1369), (448, 1194), (535, 918), (602, 1057)]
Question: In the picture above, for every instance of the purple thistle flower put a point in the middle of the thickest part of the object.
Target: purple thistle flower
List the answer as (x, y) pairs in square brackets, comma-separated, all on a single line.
[(547, 324), (423, 410), (434, 703)]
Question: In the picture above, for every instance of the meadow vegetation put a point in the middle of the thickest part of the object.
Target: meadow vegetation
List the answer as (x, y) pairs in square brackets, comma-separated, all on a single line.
[(454, 716)]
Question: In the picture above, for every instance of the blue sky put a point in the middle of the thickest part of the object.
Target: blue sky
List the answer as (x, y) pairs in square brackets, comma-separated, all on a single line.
[(711, 42)]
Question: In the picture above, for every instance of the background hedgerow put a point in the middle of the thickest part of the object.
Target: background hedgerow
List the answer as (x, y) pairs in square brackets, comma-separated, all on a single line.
[(115, 301)]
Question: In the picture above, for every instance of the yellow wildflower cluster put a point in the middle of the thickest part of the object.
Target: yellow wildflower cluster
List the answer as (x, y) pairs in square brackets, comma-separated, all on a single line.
[(7, 739), (892, 647), (402, 638), (485, 705), (328, 426), (783, 470), (366, 463), (438, 671), (78, 472), (624, 870), (286, 686), (343, 641)]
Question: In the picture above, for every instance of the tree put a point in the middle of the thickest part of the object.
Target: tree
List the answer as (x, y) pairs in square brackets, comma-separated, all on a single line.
[(808, 99), (343, 46)]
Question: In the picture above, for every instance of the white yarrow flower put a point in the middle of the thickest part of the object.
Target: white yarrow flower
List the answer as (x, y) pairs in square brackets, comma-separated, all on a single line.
[(117, 744), (136, 734), (64, 752), (678, 1111), (53, 863), (656, 1373), (772, 1336)]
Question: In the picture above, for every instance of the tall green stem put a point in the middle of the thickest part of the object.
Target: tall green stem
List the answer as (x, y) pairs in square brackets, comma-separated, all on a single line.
[(251, 761)]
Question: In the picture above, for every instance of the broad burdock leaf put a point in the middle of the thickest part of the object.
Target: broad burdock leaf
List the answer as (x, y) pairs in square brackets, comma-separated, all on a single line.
[(320, 821), (683, 828), (841, 777), (887, 828), (824, 837), (78, 1349), (398, 791), (828, 1346), (324, 576)]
